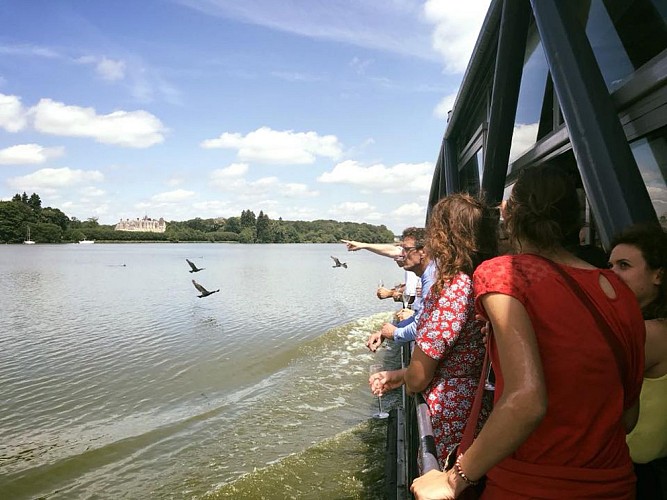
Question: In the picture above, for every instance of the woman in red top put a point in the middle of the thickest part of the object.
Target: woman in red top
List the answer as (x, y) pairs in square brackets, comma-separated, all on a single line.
[(563, 405), (446, 363)]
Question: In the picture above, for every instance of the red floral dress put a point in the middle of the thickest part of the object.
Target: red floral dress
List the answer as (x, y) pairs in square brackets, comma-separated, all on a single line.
[(448, 332)]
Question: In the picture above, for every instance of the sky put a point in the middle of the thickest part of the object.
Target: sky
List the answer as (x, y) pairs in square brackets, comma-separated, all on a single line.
[(302, 109)]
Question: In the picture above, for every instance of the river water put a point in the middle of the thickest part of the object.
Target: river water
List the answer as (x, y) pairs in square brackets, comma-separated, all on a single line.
[(117, 381)]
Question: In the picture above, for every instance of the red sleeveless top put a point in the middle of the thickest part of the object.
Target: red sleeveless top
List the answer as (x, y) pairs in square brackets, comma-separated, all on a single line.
[(579, 449)]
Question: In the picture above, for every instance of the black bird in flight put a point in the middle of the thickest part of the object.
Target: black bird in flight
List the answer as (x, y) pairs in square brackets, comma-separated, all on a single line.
[(338, 263), (195, 269), (204, 292)]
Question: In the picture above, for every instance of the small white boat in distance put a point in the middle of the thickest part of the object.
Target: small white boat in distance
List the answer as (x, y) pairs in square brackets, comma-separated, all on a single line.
[(28, 241), (86, 242)]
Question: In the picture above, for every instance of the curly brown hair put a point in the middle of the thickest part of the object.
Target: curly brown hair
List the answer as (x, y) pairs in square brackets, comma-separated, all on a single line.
[(462, 232), (543, 209)]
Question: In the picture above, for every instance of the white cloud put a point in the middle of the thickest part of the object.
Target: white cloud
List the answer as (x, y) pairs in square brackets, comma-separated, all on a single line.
[(445, 105), (457, 25), (12, 113), (355, 210), (176, 196), (49, 179), (360, 66), (401, 178), (232, 180), (272, 146), (29, 50), (28, 154), (392, 26), (297, 190), (523, 137), (92, 192), (110, 69), (296, 77), (410, 210), (134, 129), (222, 177)]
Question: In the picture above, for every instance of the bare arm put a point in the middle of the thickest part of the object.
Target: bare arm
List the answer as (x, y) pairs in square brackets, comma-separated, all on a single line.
[(384, 249), (420, 371), (656, 348), (523, 403), (515, 415)]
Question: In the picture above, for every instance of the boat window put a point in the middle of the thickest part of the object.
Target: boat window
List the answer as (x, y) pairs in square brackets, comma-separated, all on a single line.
[(470, 176), (531, 96), (650, 153), (619, 47)]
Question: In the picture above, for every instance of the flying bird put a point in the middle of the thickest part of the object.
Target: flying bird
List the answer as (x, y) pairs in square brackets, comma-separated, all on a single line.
[(338, 263), (195, 269), (204, 292)]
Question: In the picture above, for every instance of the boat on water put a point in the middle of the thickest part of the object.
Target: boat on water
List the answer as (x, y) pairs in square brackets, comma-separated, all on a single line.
[(28, 241), (86, 242)]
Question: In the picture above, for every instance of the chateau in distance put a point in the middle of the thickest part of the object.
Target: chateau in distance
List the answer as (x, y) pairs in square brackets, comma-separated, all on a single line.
[(145, 225)]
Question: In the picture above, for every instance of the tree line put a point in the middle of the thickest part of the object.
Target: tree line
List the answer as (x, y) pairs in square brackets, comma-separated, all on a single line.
[(51, 225)]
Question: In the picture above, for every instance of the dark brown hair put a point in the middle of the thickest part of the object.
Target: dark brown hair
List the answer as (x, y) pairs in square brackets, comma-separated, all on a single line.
[(543, 209), (418, 233), (462, 232), (651, 240)]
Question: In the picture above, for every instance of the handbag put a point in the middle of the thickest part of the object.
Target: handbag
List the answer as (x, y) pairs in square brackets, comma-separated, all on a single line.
[(472, 492)]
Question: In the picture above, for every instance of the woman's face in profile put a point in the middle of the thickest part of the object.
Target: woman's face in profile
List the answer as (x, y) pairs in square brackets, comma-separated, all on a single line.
[(628, 263)]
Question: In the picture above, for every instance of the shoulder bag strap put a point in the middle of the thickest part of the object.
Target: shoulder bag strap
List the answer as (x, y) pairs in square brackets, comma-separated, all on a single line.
[(473, 418), (603, 325)]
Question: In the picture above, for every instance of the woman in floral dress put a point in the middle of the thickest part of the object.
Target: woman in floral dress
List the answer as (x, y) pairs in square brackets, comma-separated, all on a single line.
[(446, 363)]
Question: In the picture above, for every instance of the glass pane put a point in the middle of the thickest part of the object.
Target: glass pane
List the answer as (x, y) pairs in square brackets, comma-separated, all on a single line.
[(470, 176), (531, 95), (624, 34), (651, 156)]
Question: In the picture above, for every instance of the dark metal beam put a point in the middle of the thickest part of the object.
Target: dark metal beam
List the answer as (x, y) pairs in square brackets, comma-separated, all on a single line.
[(451, 167), (612, 181), (506, 83)]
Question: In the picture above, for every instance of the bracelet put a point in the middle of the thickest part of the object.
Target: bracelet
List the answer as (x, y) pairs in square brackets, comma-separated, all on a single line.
[(459, 471)]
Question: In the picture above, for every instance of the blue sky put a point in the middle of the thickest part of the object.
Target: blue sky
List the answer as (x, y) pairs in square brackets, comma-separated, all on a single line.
[(305, 109)]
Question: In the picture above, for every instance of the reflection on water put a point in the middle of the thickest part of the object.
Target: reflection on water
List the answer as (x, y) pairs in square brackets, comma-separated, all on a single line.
[(118, 381)]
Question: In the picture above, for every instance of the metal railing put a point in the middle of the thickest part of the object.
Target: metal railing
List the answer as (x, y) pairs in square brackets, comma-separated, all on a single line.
[(414, 438)]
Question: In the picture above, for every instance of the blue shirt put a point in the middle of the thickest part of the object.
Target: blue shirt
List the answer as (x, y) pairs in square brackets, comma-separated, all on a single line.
[(407, 329)]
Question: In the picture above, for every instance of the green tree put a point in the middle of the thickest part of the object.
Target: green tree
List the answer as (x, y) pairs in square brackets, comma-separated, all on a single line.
[(14, 219), (264, 233), (248, 219), (46, 233), (233, 225), (55, 216), (247, 235), (35, 202)]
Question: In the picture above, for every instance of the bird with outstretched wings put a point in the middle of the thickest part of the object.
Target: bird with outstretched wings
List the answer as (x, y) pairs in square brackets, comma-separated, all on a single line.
[(194, 269), (338, 263), (204, 292)]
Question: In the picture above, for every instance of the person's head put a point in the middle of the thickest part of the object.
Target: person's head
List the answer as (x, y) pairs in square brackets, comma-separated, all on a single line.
[(462, 232), (543, 209), (639, 258), (414, 256)]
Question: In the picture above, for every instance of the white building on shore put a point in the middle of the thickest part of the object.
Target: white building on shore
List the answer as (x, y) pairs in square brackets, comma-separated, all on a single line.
[(145, 225)]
